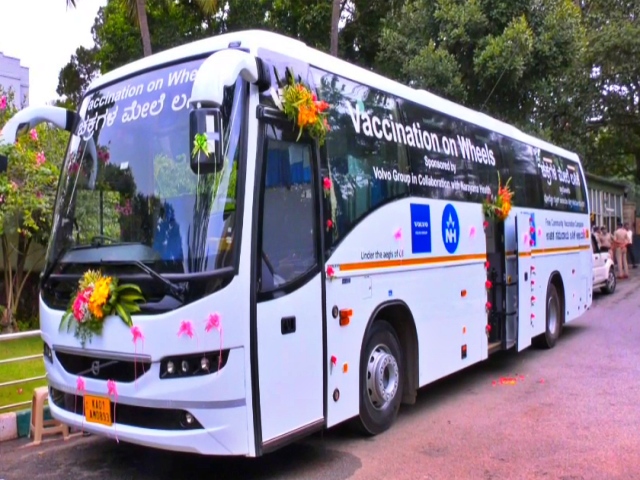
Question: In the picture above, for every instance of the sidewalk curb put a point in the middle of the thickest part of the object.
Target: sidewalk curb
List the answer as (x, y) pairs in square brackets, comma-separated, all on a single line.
[(17, 424)]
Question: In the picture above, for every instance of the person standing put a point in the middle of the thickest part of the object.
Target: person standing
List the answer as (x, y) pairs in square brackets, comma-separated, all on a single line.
[(630, 253), (605, 240), (620, 239)]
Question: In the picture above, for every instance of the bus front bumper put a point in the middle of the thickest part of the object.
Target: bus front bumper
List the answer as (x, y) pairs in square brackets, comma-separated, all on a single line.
[(213, 431)]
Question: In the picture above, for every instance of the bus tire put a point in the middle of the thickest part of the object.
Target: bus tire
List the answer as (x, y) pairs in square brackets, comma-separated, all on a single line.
[(554, 318), (381, 378)]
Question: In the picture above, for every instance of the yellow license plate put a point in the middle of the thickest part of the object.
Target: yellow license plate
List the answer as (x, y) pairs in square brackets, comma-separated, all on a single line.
[(97, 410)]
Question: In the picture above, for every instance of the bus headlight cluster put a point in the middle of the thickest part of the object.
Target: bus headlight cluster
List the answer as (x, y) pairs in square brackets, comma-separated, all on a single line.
[(47, 353), (192, 365)]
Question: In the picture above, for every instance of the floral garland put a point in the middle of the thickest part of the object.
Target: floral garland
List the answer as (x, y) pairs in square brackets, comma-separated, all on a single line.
[(302, 107), (500, 206), (97, 297)]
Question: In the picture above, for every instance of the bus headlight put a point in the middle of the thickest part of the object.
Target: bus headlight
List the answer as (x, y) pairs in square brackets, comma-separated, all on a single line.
[(47, 353), (171, 368), (193, 365)]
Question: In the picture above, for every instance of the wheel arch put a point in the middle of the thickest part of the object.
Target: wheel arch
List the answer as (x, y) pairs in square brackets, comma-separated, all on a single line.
[(555, 279), (398, 314)]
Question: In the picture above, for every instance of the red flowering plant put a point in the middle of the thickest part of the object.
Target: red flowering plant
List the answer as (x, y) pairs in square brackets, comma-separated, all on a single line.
[(302, 107), (27, 194)]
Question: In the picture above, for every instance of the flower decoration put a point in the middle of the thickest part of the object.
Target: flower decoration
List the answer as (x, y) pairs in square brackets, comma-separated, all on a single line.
[(330, 272), (137, 335), (97, 297), (214, 322), (186, 328), (80, 390), (103, 154), (301, 106), (112, 390), (500, 206)]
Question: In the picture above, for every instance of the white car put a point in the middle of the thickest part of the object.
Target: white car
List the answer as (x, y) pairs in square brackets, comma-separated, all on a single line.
[(604, 275)]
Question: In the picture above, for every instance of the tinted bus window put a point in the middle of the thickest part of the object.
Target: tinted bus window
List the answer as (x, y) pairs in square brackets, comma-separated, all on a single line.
[(562, 183), (367, 165), (519, 159)]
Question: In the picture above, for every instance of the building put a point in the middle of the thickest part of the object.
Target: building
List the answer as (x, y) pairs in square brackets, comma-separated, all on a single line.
[(608, 202), (14, 76), (607, 198)]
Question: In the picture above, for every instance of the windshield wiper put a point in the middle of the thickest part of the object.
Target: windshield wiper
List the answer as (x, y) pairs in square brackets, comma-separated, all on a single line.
[(178, 291), (56, 261)]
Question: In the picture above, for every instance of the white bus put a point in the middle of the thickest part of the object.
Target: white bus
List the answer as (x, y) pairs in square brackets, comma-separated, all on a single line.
[(262, 321)]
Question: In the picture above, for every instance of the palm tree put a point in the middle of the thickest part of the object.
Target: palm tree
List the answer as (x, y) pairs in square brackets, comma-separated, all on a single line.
[(138, 11), (335, 22)]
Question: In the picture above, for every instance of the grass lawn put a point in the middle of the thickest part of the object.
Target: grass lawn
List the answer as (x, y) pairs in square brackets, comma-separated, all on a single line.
[(19, 370)]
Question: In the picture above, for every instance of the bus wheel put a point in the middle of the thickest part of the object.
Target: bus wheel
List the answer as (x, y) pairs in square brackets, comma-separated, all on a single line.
[(381, 378), (554, 318)]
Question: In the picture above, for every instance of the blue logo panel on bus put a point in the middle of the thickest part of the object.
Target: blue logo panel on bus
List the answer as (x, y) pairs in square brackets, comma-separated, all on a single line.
[(532, 230), (450, 228), (420, 228)]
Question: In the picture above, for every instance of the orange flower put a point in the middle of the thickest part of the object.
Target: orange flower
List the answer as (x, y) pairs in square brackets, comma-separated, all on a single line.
[(306, 116)]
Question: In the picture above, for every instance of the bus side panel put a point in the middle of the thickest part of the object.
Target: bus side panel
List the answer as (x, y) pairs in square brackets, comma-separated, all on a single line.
[(561, 246), (439, 275)]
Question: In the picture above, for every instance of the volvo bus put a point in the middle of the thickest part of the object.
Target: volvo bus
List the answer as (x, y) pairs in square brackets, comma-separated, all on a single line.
[(290, 284)]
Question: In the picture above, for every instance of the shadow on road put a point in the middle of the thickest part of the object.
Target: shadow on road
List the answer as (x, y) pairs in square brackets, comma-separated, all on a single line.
[(110, 460)]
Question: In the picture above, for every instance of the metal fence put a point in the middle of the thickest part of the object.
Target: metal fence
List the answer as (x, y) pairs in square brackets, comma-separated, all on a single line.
[(15, 336)]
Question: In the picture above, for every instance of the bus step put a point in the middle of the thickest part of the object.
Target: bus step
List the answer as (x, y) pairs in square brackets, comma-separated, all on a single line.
[(495, 347)]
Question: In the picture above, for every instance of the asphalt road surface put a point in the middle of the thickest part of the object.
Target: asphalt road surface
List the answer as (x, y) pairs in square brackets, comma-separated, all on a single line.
[(572, 414)]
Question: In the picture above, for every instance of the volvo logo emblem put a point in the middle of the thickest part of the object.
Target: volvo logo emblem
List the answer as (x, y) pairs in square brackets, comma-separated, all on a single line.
[(95, 367)]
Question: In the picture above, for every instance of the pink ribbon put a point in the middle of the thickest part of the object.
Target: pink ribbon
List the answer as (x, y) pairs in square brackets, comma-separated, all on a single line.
[(80, 388), (472, 232), (186, 328), (137, 335), (398, 234), (214, 322), (113, 392)]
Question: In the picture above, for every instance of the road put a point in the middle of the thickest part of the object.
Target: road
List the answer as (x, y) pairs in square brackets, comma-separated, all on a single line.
[(572, 414)]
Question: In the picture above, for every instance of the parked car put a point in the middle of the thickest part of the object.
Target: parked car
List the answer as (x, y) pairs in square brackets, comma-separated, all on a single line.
[(604, 275)]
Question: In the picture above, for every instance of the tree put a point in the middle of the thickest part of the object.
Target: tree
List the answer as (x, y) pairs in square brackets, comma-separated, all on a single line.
[(75, 76), (336, 10), (27, 193), (612, 62), (137, 10), (492, 55)]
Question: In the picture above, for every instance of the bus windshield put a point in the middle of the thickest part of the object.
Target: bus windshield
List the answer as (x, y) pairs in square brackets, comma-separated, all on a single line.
[(127, 186)]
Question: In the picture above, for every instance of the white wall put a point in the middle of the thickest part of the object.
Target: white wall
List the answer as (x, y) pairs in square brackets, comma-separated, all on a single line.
[(16, 77)]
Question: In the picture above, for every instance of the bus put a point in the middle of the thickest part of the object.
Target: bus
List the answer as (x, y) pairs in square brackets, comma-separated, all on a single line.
[(274, 283)]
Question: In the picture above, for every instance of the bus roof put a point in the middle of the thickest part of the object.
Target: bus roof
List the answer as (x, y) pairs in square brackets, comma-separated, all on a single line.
[(286, 46)]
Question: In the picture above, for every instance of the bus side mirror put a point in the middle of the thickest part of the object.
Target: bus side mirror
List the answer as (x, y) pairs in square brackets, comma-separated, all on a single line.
[(4, 163), (205, 131)]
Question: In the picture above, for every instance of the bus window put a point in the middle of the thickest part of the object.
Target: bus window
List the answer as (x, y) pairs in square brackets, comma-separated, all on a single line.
[(367, 164), (288, 215), (520, 165)]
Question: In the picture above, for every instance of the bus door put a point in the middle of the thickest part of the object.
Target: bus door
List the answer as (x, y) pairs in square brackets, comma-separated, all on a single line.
[(288, 288), (510, 280), (502, 274), (525, 290)]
